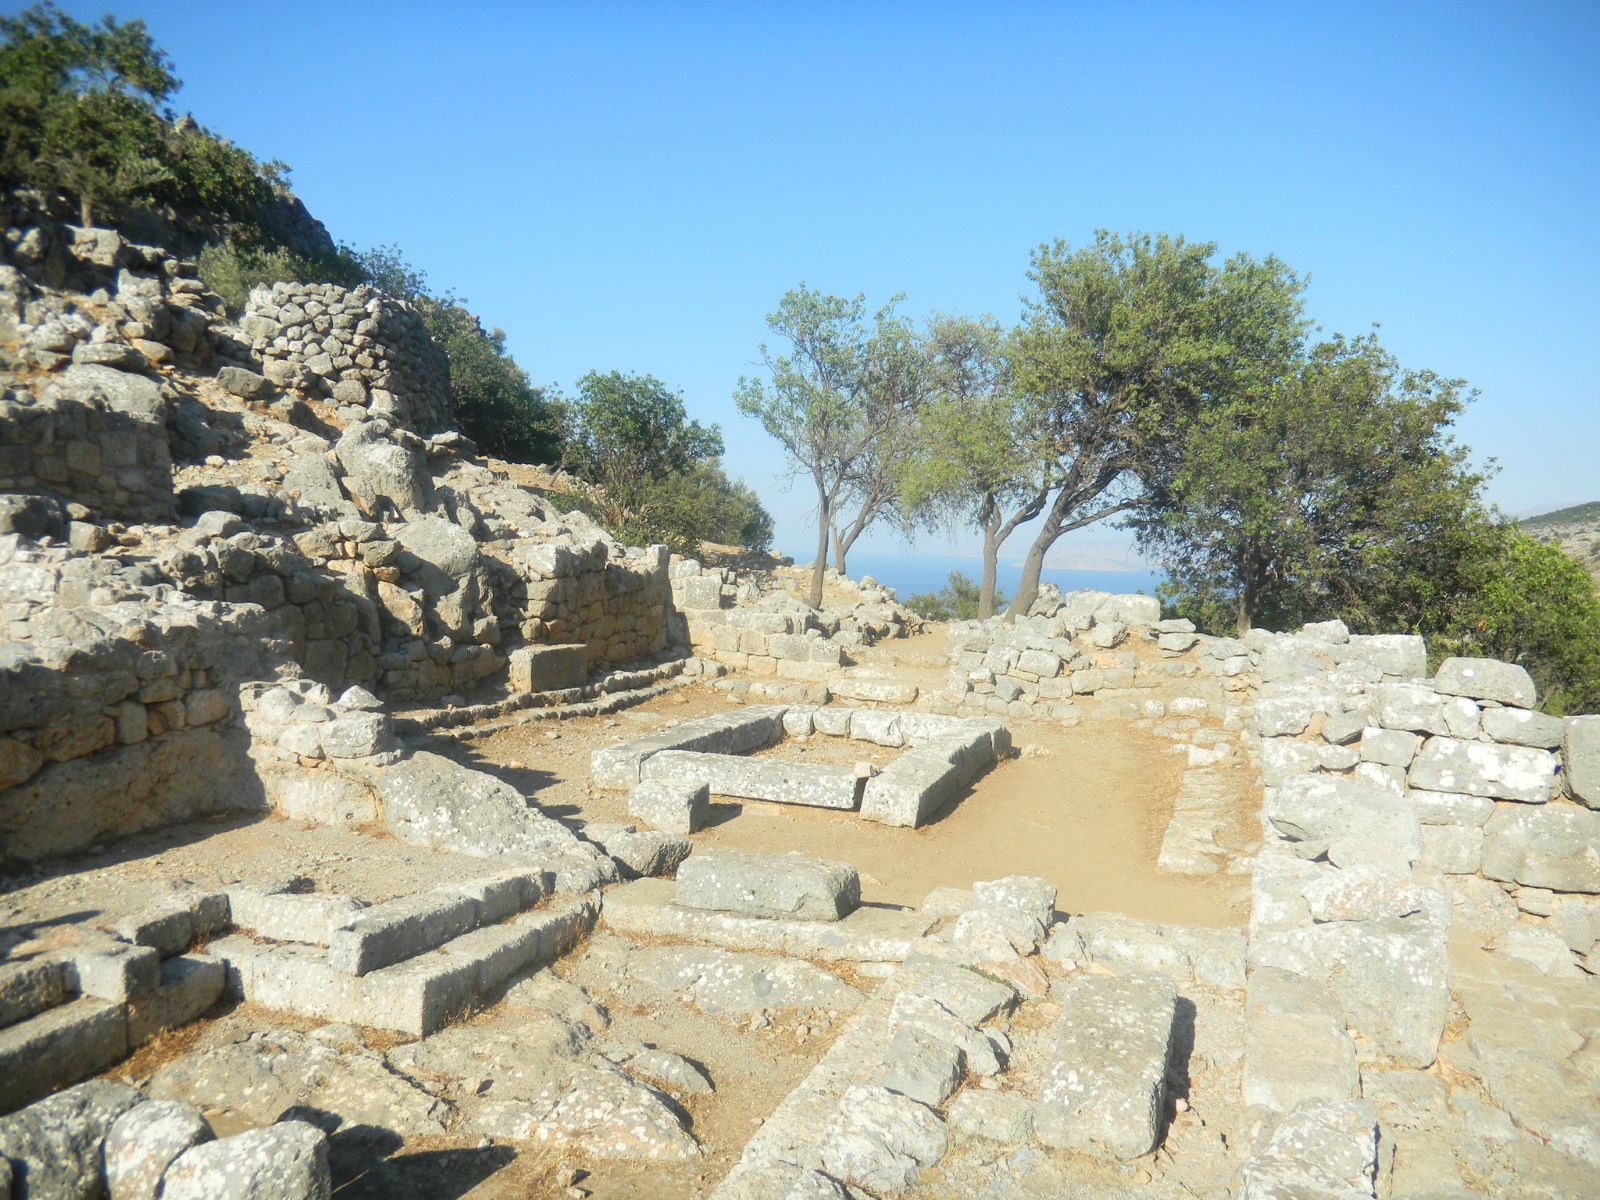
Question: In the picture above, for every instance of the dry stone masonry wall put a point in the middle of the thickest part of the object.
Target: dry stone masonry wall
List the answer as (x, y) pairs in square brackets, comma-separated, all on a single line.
[(361, 348)]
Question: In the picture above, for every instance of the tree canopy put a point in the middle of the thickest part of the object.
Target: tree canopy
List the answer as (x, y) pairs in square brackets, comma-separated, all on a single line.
[(1308, 489), (843, 403), (1119, 341), (84, 110), (657, 473)]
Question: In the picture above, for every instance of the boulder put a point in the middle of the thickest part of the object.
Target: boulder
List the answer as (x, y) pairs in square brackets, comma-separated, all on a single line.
[(381, 473), (145, 1141), (55, 1145)]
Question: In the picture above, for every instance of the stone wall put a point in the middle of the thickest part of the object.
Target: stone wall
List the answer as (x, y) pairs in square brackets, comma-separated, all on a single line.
[(93, 436), (362, 348), (118, 702), (1501, 797), (1086, 643)]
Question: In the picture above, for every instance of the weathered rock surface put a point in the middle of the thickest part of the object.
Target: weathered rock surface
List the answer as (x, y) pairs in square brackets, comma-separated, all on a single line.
[(1105, 1089), (785, 886), (287, 1161)]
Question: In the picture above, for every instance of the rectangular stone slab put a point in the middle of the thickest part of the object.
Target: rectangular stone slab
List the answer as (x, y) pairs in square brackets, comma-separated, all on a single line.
[(818, 785), (781, 886), (646, 907), (1105, 1089), (723, 733)]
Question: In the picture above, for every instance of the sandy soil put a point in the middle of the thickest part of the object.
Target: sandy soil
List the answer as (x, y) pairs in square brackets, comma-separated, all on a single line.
[(1084, 807)]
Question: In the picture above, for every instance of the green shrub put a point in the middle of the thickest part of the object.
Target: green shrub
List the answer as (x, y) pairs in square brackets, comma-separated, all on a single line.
[(957, 600), (231, 269)]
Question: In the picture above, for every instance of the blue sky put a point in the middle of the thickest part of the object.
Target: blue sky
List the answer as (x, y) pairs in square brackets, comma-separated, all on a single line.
[(632, 186)]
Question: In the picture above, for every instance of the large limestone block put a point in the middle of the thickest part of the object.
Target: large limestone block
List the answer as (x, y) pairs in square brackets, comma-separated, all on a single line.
[(1580, 751), (818, 785), (1105, 1089), (879, 1140), (1555, 847), (55, 1145), (781, 886), (286, 1161), (750, 728), (1481, 769), (1323, 1149), (548, 668), (1293, 1057), (1319, 809), (1520, 727), (1487, 679)]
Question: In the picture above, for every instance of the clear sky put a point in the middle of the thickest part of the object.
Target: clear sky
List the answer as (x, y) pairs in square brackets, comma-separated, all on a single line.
[(632, 186)]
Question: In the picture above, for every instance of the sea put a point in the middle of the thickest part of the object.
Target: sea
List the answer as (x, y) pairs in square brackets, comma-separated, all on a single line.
[(909, 574)]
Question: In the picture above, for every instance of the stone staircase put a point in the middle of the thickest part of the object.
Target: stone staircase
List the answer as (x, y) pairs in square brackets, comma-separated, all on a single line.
[(412, 964)]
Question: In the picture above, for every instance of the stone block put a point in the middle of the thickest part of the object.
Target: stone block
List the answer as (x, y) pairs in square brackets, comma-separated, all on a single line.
[(1486, 679), (647, 907), (1555, 846), (818, 785), (1481, 769), (1323, 1148), (287, 917), (1292, 1057), (1105, 1089), (879, 1140), (1520, 727), (1580, 751), (879, 691), (673, 807), (1413, 706), (144, 1142), (912, 789), (53, 1149), (548, 668), (921, 1067), (29, 986), (167, 928), (399, 929), (1390, 747), (58, 1047), (751, 728), (785, 886), (1315, 810), (289, 1159), (190, 984), (111, 970)]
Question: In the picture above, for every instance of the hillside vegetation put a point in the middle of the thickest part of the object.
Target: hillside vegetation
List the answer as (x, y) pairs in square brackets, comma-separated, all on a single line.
[(1576, 530)]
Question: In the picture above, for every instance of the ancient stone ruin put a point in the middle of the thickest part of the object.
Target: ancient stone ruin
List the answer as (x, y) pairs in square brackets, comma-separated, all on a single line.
[(371, 825)]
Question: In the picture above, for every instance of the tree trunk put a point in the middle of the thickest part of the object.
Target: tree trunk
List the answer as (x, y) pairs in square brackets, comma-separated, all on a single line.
[(840, 549), (991, 557), (1032, 567), (824, 524), (1249, 597), (85, 211)]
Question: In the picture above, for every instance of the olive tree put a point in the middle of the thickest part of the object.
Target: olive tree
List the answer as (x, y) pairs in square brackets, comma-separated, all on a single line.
[(842, 403)]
